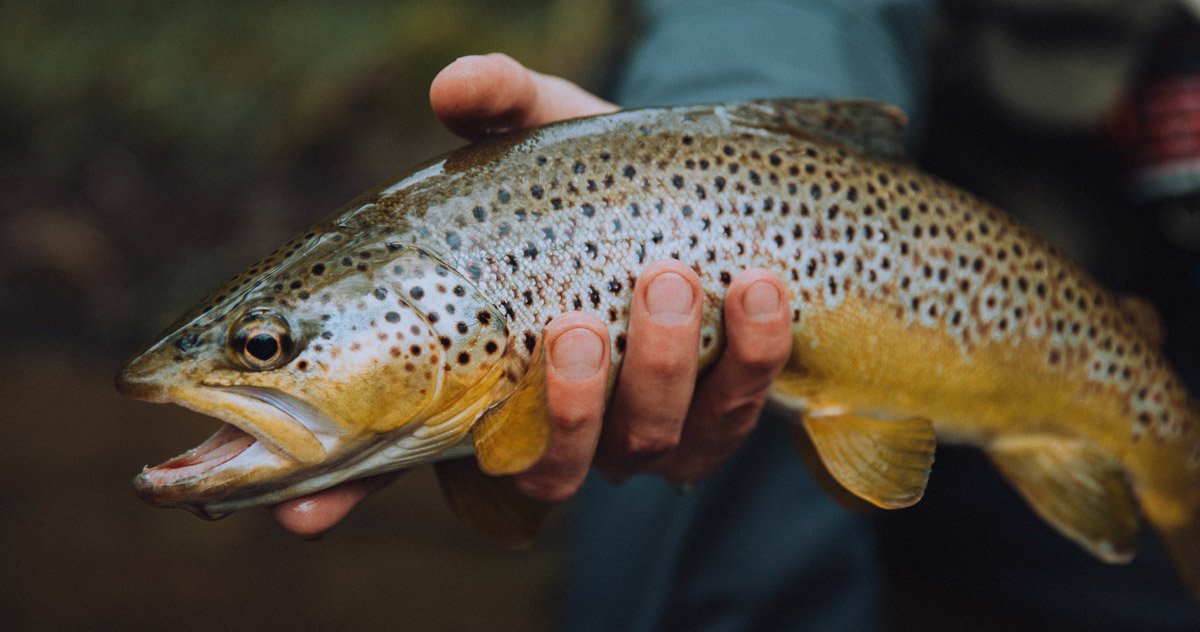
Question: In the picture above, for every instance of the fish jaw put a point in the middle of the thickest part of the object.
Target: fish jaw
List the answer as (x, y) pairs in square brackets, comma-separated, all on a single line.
[(268, 442)]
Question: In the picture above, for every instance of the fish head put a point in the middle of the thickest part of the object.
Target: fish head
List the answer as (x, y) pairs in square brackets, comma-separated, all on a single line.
[(315, 367)]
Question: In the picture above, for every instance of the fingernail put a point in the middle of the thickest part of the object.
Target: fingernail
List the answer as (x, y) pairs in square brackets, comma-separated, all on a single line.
[(669, 298), (576, 354), (761, 301)]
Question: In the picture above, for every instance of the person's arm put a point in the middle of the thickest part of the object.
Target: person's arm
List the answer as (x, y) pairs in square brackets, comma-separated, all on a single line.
[(658, 421)]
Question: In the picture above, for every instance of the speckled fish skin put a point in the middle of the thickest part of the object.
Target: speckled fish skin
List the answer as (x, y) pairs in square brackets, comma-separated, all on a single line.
[(416, 308)]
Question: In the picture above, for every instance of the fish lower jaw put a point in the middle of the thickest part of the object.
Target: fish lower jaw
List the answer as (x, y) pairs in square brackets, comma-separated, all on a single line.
[(222, 447)]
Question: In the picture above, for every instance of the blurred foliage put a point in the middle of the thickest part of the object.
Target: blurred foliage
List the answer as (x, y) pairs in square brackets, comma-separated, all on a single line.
[(174, 142)]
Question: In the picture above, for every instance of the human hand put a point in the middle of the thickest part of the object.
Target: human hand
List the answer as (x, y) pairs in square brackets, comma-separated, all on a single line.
[(658, 420)]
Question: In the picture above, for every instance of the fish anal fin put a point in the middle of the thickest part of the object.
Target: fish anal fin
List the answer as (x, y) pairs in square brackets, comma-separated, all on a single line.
[(1075, 487), (511, 436), (493, 505), (884, 462), (873, 128)]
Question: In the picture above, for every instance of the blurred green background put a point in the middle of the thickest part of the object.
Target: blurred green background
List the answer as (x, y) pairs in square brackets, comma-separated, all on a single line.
[(149, 151)]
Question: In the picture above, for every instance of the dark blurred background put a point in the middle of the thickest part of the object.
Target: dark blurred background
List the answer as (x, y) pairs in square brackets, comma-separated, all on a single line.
[(148, 151)]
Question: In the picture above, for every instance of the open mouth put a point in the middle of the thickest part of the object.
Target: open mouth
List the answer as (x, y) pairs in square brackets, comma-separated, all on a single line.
[(223, 446)]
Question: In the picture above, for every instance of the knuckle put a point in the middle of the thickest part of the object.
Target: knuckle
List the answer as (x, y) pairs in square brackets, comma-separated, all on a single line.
[(758, 353), (572, 418), (650, 443), (668, 364)]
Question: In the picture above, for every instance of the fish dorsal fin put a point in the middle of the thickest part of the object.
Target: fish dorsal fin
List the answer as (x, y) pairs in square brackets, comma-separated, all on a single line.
[(511, 436), (886, 463), (1075, 487), (493, 505), (1145, 319), (873, 128)]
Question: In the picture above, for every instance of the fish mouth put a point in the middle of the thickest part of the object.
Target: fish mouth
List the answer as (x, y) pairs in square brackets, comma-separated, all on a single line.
[(268, 438), (223, 446)]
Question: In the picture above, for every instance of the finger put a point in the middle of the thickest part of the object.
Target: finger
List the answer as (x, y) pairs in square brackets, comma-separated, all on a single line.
[(576, 377), (758, 332), (659, 370), (483, 94), (313, 515)]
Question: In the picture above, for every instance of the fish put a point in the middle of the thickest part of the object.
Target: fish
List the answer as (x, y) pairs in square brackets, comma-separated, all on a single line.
[(406, 328)]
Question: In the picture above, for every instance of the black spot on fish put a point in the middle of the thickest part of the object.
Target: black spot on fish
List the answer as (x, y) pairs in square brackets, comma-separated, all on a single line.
[(187, 342), (479, 213), (530, 342), (588, 210)]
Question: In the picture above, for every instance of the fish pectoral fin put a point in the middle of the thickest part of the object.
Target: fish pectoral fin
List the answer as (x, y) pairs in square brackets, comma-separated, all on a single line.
[(1075, 487), (493, 505), (886, 463), (513, 435)]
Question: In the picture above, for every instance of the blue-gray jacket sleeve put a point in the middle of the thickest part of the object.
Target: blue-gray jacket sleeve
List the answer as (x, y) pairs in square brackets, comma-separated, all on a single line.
[(696, 51)]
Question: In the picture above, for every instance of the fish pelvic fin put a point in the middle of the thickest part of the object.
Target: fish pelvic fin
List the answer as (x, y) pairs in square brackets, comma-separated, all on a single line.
[(1080, 490), (493, 505), (513, 435), (884, 462)]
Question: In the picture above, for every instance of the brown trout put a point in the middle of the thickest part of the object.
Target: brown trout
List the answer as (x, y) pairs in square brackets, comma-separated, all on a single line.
[(405, 329)]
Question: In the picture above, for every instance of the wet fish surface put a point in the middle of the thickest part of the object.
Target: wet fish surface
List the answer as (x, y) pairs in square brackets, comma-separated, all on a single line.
[(406, 328)]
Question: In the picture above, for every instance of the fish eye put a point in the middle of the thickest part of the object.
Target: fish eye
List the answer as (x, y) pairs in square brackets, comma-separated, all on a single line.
[(261, 340)]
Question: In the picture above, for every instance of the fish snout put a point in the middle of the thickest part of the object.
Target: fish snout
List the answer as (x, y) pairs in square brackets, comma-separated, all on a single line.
[(138, 381)]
